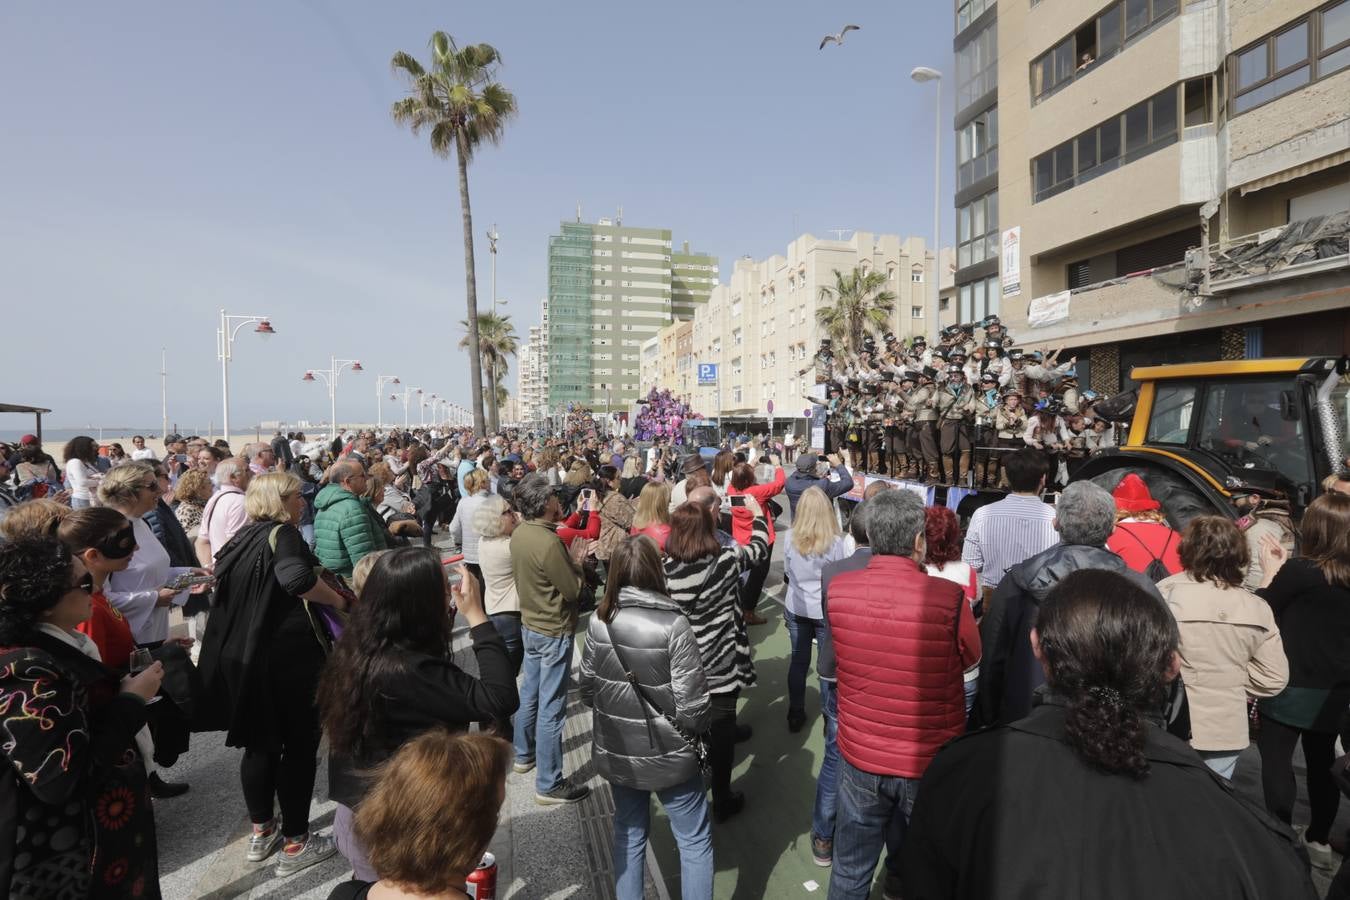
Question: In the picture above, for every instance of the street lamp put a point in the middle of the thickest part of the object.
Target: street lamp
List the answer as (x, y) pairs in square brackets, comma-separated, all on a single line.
[(329, 377), (380, 382), (225, 336), (922, 74)]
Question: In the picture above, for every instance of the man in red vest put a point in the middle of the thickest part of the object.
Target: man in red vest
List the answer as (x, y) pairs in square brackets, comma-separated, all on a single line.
[(902, 640)]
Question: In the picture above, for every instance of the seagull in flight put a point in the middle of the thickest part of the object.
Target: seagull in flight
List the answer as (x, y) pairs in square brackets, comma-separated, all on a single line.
[(838, 38)]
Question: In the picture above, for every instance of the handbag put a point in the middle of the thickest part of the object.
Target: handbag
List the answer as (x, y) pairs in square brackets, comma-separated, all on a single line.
[(328, 623), (697, 743)]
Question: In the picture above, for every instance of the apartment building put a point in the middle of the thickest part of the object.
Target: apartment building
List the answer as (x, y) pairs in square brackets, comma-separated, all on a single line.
[(533, 365), (1173, 178), (611, 288), (760, 326)]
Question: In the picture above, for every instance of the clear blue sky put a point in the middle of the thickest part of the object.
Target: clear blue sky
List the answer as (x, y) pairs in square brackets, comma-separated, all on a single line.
[(163, 160)]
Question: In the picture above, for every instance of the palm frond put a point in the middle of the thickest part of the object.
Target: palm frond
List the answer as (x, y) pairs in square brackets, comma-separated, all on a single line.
[(408, 63)]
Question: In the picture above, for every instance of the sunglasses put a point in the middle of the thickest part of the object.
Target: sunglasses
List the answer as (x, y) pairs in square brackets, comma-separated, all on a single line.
[(86, 584)]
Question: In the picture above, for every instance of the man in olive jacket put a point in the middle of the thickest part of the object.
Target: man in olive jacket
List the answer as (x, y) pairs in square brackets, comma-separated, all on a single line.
[(344, 521), (549, 581)]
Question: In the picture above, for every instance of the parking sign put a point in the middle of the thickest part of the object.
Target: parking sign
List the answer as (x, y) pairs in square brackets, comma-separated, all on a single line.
[(707, 373)]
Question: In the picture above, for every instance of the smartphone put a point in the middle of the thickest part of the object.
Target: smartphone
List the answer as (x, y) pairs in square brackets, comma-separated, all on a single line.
[(738, 500)]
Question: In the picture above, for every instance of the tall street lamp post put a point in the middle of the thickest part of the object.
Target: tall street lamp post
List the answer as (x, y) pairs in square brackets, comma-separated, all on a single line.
[(920, 75), (225, 335), (329, 377), (380, 382)]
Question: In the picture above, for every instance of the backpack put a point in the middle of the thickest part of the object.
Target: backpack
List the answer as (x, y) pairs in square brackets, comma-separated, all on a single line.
[(1156, 570)]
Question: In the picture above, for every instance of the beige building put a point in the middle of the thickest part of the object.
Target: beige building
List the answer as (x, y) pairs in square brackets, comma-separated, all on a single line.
[(532, 384), (1129, 134), (760, 327)]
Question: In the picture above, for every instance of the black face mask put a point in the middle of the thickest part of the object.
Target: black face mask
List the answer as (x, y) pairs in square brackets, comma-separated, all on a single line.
[(119, 545)]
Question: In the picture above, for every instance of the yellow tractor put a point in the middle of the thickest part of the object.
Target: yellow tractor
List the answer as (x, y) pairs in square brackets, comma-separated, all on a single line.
[(1204, 436)]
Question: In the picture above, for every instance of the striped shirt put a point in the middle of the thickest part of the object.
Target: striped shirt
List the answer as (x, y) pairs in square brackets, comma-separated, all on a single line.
[(1008, 532), (707, 590)]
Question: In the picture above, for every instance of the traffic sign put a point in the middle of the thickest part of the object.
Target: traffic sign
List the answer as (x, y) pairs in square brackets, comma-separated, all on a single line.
[(770, 407), (806, 413), (707, 373)]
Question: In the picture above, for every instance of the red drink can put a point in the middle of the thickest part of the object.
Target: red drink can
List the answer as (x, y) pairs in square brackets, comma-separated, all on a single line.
[(482, 881)]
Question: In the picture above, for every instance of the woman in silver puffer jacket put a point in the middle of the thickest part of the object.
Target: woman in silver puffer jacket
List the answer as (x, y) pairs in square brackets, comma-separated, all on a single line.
[(641, 726)]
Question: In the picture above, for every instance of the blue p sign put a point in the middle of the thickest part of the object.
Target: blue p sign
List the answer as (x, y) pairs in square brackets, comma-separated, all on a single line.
[(707, 373)]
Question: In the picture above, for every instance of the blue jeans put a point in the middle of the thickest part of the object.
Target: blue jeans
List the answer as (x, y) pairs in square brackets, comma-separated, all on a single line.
[(686, 807), (543, 706), (873, 810), (827, 783), (1222, 762), (509, 627), (801, 631)]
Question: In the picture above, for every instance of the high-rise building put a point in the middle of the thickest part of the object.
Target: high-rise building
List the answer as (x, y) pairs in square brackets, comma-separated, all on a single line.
[(533, 387), (976, 291), (760, 326), (1173, 178), (611, 287)]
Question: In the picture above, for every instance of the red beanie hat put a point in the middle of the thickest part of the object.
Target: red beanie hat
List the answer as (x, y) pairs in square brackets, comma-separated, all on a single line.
[(1132, 495)]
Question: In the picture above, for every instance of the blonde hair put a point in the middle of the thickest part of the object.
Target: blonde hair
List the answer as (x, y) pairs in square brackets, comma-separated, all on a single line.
[(630, 467), (487, 519), (361, 571), (194, 485), (814, 526), (122, 483), (33, 520), (476, 481), (265, 499), (653, 505), (1142, 515)]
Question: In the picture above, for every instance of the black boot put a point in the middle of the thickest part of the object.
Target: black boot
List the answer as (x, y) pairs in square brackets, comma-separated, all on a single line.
[(163, 790)]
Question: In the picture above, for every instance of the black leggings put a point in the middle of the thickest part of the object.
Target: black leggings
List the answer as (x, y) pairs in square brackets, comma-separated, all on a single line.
[(722, 742), (1276, 742), (754, 585), (288, 773)]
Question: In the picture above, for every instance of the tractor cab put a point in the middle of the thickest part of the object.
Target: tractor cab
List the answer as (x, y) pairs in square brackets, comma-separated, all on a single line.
[(1202, 434)]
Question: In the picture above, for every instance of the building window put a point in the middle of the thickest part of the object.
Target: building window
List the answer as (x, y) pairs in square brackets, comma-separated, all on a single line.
[(977, 231), (736, 395), (916, 275), (1285, 61), (977, 67), (977, 149), (968, 11), (978, 299), (1143, 128), (916, 312), (1095, 42)]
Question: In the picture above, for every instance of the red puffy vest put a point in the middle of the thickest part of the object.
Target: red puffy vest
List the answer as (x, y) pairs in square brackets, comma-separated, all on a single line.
[(898, 643)]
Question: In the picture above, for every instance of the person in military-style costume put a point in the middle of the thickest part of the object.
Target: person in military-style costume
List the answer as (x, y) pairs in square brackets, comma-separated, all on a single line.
[(923, 444), (955, 403)]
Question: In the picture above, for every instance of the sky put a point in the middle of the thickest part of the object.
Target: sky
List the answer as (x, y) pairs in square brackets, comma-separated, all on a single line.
[(163, 161)]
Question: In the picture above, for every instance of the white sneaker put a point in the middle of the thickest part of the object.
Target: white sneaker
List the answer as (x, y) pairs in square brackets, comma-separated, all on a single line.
[(263, 844), (317, 848)]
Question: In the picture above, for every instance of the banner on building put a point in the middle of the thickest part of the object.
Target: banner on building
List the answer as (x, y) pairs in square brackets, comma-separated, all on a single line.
[(1048, 310), (1012, 261)]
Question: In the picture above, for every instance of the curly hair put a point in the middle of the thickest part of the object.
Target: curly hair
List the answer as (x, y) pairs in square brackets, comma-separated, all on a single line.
[(34, 576), (1107, 646), (943, 533), (402, 612)]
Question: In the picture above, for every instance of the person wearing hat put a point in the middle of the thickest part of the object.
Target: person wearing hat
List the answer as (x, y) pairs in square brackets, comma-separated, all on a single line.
[(987, 401), (922, 442), (1068, 392), (1010, 421), (1142, 536), (1046, 432), (892, 436), (956, 404), (836, 483)]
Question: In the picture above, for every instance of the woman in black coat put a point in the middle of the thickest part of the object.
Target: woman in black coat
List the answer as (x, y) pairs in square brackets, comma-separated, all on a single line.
[(260, 662), (75, 813), (391, 676), (1088, 796)]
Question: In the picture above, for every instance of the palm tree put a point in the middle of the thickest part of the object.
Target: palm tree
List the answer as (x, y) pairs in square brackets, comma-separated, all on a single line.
[(497, 340), (859, 305), (462, 105)]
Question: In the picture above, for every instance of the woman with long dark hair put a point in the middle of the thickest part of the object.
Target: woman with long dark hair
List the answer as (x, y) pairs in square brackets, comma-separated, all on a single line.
[(81, 470), (642, 675), (703, 577), (1089, 795), (391, 676), (1310, 596), (75, 813)]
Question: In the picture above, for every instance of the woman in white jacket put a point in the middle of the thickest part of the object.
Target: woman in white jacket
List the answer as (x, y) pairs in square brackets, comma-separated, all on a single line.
[(82, 472)]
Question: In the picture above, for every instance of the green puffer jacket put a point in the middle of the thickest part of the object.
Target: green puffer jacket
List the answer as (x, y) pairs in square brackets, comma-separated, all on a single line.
[(344, 529)]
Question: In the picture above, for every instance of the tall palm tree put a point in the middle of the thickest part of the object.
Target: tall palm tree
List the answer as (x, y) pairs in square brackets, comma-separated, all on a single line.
[(458, 99), (859, 304), (497, 340)]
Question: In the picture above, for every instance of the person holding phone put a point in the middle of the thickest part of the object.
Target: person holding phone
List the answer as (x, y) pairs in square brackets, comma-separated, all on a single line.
[(391, 677), (82, 823), (742, 483)]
